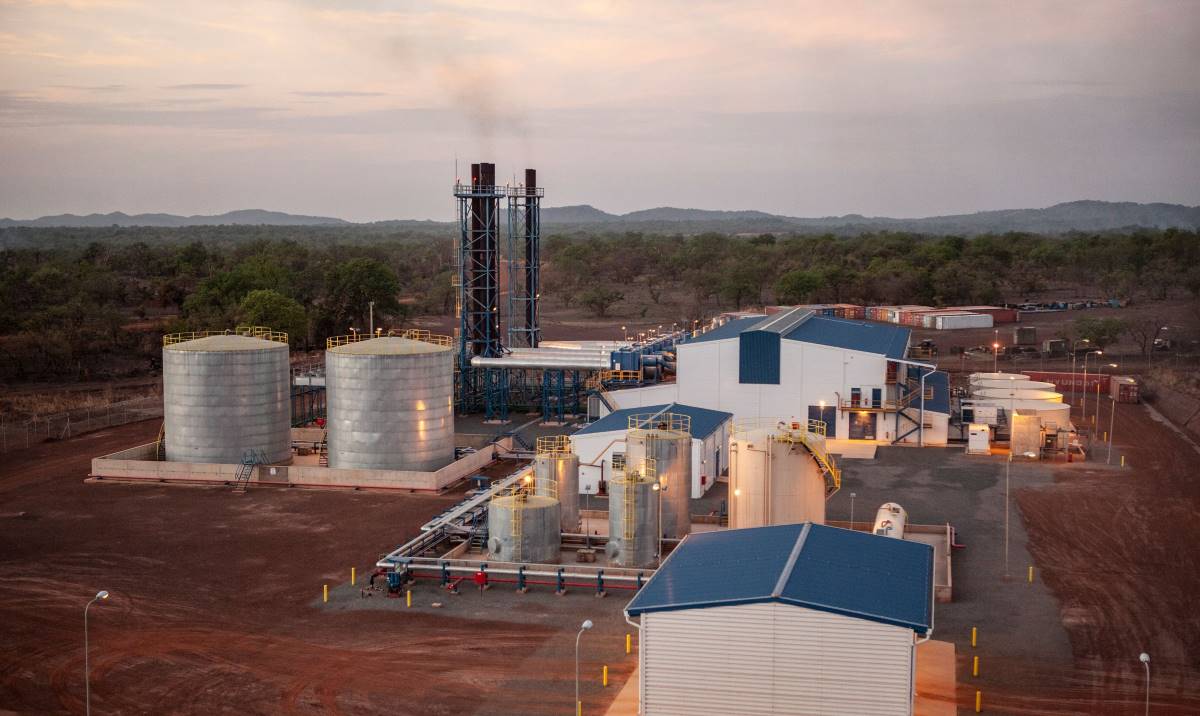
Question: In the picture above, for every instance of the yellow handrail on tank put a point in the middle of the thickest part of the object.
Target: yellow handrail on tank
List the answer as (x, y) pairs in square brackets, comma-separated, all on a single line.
[(810, 433), (252, 331), (661, 422), (414, 334), (554, 445)]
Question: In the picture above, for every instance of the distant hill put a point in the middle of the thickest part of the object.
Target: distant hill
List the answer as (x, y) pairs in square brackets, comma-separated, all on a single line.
[(1070, 216), (117, 218)]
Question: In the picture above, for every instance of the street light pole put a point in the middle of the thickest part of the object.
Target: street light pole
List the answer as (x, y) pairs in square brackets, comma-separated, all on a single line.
[(852, 496), (371, 309), (587, 624), (1007, 467), (660, 488), (87, 673), (1145, 659), (1112, 423), (1085, 390)]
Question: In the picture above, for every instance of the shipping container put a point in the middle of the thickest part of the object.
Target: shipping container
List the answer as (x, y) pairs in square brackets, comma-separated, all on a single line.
[(999, 314), (1067, 382), (963, 320), (1025, 336), (929, 318), (849, 311), (1055, 348), (1124, 389)]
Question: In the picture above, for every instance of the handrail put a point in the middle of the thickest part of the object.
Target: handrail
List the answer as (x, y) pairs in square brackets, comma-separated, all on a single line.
[(661, 422), (525, 487), (554, 445), (811, 434), (414, 334), (250, 331)]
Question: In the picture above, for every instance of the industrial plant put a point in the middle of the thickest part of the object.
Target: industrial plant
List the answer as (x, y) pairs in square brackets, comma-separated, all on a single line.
[(687, 470)]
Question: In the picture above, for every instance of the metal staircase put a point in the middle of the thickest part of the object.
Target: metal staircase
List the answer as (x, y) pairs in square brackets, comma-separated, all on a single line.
[(911, 393), (250, 459), (160, 443), (323, 456)]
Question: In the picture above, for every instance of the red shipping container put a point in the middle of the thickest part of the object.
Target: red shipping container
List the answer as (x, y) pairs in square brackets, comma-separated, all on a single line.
[(1124, 389), (1071, 382)]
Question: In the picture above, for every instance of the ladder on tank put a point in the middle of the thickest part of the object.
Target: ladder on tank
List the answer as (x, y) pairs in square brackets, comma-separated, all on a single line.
[(518, 525)]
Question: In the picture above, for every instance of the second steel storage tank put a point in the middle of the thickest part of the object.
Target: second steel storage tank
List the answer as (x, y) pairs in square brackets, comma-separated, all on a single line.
[(633, 512), (555, 464), (523, 526), (227, 395), (666, 440), (390, 403)]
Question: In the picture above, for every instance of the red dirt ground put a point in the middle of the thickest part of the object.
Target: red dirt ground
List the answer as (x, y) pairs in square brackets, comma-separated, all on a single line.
[(1118, 549), (215, 601)]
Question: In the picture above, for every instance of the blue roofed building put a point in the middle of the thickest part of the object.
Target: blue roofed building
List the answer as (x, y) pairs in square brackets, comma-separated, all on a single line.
[(598, 443), (791, 619), (852, 375)]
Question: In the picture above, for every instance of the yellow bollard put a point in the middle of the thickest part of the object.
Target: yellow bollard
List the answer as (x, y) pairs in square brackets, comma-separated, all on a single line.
[(978, 701), (1031, 574), (974, 633), (325, 593), (578, 708), (975, 667), (628, 644), (1105, 436), (604, 678), (352, 579), (1122, 461), (408, 598)]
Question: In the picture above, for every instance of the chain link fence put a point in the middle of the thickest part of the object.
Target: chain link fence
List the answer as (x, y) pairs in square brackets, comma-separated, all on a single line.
[(16, 435)]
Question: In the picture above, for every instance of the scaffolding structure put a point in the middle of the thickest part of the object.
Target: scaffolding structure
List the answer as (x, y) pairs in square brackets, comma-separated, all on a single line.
[(524, 262), (478, 280)]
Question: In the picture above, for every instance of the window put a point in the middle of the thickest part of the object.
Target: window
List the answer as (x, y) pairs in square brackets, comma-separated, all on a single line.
[(855, 396)]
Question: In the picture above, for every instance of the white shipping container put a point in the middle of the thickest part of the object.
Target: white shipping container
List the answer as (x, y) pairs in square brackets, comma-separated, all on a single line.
[(966, 320)]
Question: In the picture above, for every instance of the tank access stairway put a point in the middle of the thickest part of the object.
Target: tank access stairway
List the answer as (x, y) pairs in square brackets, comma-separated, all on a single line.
[(250, 460)]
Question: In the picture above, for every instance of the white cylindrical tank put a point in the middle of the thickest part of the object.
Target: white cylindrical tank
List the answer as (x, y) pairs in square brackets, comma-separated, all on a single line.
[(390, 404), (890, 520), (225, 396), (998, 376), (773, 482), (1017, 394), (986, 383), (665, 439)]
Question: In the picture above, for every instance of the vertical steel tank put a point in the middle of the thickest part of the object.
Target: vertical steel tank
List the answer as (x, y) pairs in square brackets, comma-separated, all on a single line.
[(523, 526), (555, 464), (225, 395), (774, 479), (633, 510), (389, 403), (665, 439)]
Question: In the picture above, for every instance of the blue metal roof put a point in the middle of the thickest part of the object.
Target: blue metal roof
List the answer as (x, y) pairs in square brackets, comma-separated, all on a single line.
[(883, 339), (856, 574), (731, 329), (704, 421)]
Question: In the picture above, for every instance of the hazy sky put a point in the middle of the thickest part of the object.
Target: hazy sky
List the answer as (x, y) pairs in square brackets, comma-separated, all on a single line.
[(358, 109)]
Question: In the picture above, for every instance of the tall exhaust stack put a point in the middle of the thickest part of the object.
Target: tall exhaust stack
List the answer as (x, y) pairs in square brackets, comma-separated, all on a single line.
[(478, 268), (524, 253)]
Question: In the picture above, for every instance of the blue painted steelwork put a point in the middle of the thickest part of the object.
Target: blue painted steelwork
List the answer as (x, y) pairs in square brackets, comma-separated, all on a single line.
[(758, 357), (496, 393), (478, 279), (704, 422), (829, 569), (524, 262)]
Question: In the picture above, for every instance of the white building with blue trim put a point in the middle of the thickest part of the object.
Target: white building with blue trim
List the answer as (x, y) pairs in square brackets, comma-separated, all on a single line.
[(789, 619), (853, 375), (602, 441)]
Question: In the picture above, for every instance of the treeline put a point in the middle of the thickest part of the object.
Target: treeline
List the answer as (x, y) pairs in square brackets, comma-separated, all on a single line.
[(88, 302)]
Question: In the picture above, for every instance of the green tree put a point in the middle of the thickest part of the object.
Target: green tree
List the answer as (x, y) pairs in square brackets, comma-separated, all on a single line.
[(797, 286), (600, 299), (265, 307), (351, 286), (1101, 332)]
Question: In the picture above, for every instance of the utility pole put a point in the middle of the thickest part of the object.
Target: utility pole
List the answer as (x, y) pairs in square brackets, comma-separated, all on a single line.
[(371, 309)]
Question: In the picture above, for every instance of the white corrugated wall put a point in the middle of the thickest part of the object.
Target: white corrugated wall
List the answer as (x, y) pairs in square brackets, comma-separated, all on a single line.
[(772, 659)]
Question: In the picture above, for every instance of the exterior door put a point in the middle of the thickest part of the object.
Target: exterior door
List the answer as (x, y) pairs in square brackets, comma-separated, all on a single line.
[(862, 426), (827, 415), (876, 397)]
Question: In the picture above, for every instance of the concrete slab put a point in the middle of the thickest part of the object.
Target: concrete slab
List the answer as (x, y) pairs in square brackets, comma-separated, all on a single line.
[(852, 449)]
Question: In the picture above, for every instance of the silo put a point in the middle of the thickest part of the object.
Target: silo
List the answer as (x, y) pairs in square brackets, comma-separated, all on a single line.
[(666, 438), (555, 464), (524, 527), (773, 479), (633, 509), (225, 395), (390, 404)]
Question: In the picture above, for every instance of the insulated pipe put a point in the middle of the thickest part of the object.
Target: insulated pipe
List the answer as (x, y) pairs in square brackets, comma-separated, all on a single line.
[(501, 570), (549, 362)]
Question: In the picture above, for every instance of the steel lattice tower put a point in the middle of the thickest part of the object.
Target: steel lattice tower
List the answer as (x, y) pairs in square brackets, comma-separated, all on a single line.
[(478, 278), (524, 262)]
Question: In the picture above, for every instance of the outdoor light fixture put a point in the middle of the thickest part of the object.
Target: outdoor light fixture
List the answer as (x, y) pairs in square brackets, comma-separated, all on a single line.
[(87, 674), (587, 624)]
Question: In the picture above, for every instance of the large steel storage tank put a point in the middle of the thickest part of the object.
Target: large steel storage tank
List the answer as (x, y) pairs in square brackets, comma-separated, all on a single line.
[(774, 476), (555, 464), (633, 511), (665, 439), (389, 403), (225, 395), (523, 526)]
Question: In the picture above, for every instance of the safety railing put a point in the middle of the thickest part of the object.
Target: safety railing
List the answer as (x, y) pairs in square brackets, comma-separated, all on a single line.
[(526, 487), (252, 331), (554, 445), (661, 422), (420, 334), (485, 190), (522, 190)]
